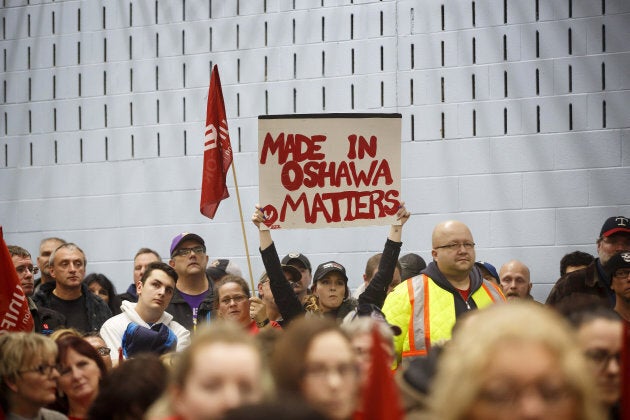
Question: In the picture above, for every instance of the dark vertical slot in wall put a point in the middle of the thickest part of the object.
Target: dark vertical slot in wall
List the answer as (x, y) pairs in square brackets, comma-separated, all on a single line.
[(474, 50), (537, 82), (184, 109), (28, 25), (54, 55), (158, 144), (238, 70), (6, 155), (184, 10), (106, 148), (352, 96), (537, 9), (351, 26), (351, 60), (412, 56), (157, 44), (130, 113), (442, 52), (474, 14), (4, 91), (537, 44), (157, 78), (6, 123), (570, 40), (54, 119), (442, 16), (184, 75), (79, 82), (130, 47), (156, 12), (474, 87), (603, 38), (81, 150), (504, 47), (30, 150), (505, 121), (30, 121), (293, 29), (238, 36), (570, 8), (79, 19), (570, 116), (266, 71), (570, 79), (104, 50), (442, 89), (53, 21), (56, 151), (474, 123), (28, 54), (443, 129), (604, 114), (183, 42), (603, 76), (238, 104), (294, 65), (103, 17), (294, 100), (505, 11), (104, 82), (78, 52), (130, 14), (505, 84), (382, 94), (4, 59), (238, 7), (266, 34), (411, 91), (266, 102), (323, 28), (382, 23), (133, 146), (80, 118), (323, 98), (131, 80), (382, 58), (323, 63), (105, 114), (185, 142), (538, 118), (30, 89), (210, 39), (209, 9), (4, 27), (157, 111), (603, 7), (413, 127)]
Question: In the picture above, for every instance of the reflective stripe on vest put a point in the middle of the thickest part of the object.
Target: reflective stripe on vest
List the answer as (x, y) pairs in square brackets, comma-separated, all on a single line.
[(434, 310)]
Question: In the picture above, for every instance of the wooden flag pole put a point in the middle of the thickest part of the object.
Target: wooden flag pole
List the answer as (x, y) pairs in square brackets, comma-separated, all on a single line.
[(240, 212)]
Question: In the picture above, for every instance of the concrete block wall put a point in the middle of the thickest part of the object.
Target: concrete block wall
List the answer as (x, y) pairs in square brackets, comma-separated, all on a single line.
[(514, 119)]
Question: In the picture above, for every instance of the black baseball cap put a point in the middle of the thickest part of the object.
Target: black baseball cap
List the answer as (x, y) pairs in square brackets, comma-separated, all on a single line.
[(291, 256), (614, 225)]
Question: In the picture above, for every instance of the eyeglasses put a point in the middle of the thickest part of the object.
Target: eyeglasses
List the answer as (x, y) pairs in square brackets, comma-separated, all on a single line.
[(319, 372), (622, 274), (184, 252), (507, 396), (468, 246), (237, 299), (24, 268), (103, 351), (42, 369), (601, 358)]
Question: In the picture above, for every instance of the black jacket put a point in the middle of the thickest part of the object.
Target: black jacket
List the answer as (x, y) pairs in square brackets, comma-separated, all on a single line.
[(182, 312)]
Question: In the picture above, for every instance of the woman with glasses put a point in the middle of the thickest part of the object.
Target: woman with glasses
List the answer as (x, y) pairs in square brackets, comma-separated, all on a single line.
[(330, 294), (234, 303), (28, 375), (314, 361), (517, 361), (82, 369)]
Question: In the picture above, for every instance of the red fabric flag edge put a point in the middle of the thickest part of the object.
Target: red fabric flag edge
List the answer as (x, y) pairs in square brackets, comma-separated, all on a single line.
[(14, 312)]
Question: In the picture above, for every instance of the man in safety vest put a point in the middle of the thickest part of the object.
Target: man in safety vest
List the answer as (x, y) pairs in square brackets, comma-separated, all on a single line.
[(425, 307)]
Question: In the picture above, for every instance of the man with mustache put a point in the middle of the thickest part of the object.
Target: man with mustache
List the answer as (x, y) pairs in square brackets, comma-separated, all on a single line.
[(193, 298), (426, 306), (515, 280), (154, 329), (68, 295)]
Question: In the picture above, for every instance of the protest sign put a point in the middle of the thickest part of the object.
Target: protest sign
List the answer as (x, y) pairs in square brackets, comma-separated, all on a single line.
[(329, 170)]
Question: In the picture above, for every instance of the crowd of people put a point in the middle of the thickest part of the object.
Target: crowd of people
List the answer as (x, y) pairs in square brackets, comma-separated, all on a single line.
[(452, 339)]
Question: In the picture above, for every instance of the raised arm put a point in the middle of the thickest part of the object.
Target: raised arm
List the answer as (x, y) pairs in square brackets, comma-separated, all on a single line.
[(376, 290), (288, 303)]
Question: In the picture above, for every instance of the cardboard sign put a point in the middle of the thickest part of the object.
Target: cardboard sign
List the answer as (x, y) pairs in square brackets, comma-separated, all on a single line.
[(329, 170)]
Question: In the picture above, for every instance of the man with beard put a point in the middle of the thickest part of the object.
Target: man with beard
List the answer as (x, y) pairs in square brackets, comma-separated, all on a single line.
[(619, 269), (515, 280), (193, 298), (592, 285), (425, 307)]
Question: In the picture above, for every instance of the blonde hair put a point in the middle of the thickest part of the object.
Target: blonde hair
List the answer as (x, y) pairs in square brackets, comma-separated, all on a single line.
[(64, 332), (466, 357), (21, 349)]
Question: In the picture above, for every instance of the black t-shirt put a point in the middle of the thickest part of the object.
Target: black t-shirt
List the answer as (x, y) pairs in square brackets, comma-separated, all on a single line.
[(74, 311)]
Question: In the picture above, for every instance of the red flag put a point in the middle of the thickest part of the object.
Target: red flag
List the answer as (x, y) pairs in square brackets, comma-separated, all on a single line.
[(14, 312), (217, 154), (380, 399)]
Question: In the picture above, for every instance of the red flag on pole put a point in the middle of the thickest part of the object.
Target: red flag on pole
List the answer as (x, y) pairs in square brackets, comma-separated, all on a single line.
[(217, 154), (14, 312), (380, 396)]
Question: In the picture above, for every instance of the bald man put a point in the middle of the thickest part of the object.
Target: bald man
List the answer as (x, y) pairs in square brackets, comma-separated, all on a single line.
[(515, 280), (425, 307)]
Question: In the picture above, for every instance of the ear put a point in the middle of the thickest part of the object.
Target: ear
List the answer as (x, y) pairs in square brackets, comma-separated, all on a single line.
[(11, 384), (260, 289), (52, 271), (433, 253), (139, 288), (171, 262)]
